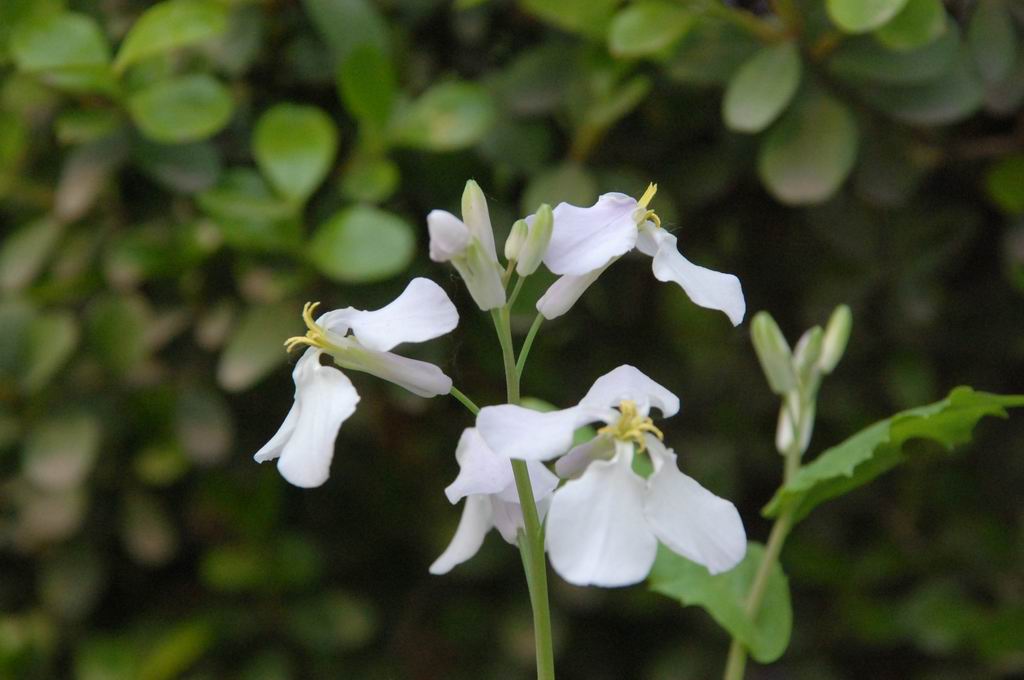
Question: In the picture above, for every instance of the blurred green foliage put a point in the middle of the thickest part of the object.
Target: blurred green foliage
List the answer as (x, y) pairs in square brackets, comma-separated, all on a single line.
[(176, 178)]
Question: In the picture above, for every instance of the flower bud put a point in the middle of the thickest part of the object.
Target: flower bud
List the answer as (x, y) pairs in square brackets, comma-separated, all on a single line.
[(537, 240), (837, 333), (806, 354), (773, 352), (477, 219), (516, 239)]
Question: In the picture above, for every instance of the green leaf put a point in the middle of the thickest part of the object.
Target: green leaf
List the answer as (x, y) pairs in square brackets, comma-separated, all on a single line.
[(807, 155), (864, 59), (879, 448), (647, 27), (51, 340), (446, 117), (724, 596), (24, 252), (294, 146), (950, 98), (587, 17), (59, 41), (117, 332), (14, 142), (182, 168), (366, 81), (918, 23), (369, 179), (711, 52), (762, 88), (67, 50), (362, 244), (569, 182), (249, 215), (59, 452), (257, 346), (992, 36), (182, 109), (170, 25), (177, 650), (348, 24), (860, 16), (1004, 183)]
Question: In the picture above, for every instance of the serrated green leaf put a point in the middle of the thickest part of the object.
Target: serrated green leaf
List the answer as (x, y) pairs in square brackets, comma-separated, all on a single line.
[(362, 244), (860, 16), (807, 155), (182, 109), (762, 88), (446, 117), (879, 448), (170, 25), (992, 36), (724, 596), (647, 27), (918, 23), (294, 146)]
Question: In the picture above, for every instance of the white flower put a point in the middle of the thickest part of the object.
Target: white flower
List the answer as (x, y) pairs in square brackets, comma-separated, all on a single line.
[(469, 246), (357, 340), (586, 241), (487, 483), (604, 524)]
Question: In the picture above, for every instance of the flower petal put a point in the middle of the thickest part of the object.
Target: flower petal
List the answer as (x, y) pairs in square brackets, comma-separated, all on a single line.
[(324, 399), (419, 377), (572, 464), (422, 312), (565, 291), (272, 449), (584, 239), (481, 470), (707, 288), (689, 519), (476, 521), (628, 382), (596, 530), (517, 432), (448, 235)]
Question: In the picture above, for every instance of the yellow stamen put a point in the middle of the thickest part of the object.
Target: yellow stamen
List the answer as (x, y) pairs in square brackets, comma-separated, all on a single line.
[(314, 337), (652, 189), (644, 212), (630, 427)]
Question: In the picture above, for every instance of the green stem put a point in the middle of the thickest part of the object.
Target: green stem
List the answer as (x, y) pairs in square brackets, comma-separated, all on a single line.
[(531, 543), (524, 351), (736, 662), (464, 400), (515, 291)]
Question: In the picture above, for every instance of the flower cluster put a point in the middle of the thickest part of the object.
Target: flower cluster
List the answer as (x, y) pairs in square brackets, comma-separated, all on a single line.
[(616, 496)]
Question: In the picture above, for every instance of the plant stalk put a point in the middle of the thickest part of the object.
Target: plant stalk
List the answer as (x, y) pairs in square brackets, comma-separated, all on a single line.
[(531, 538)]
